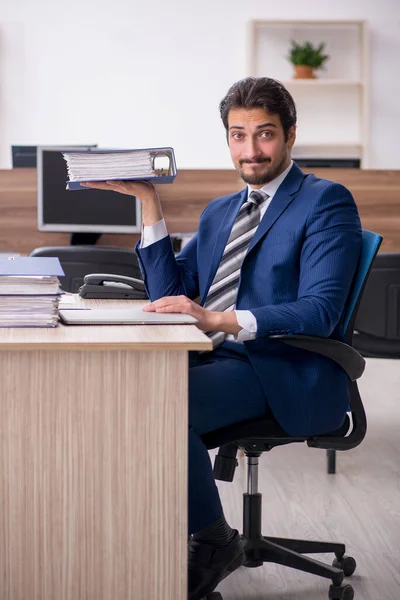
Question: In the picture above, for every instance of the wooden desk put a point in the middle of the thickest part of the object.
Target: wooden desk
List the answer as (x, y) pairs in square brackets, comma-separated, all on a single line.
[(93, 461)]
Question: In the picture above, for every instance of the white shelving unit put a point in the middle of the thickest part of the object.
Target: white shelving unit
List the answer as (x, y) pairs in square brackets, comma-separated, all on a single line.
[(333, 119)]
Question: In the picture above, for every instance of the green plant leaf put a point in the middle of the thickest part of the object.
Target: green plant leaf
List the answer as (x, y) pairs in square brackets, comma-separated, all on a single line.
[(307, 54)]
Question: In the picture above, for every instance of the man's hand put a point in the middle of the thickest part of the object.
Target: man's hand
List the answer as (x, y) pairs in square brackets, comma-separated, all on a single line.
[(208, 320), (143, 190)]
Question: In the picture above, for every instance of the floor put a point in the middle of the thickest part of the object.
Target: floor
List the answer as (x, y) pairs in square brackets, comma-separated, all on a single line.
[(359, 506)]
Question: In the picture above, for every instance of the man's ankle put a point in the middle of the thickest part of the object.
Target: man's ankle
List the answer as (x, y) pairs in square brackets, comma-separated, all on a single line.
[(218, 533)]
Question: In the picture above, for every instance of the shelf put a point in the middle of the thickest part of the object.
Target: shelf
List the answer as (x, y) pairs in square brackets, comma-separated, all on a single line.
[(327, 145), (306, 22), (335, 104), (322, 81), (327, 150)]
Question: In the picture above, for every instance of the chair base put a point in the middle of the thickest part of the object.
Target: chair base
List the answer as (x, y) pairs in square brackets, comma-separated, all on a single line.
[(284, 551), (290, 552)]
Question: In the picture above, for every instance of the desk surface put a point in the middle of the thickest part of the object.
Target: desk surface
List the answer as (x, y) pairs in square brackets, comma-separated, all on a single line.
[(106, 337)]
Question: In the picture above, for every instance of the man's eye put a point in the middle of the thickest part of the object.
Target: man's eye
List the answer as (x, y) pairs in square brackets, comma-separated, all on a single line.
[(237, 136), (267, 134)]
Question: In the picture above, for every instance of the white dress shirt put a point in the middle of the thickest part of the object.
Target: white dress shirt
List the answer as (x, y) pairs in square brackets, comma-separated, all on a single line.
[(245, 318)]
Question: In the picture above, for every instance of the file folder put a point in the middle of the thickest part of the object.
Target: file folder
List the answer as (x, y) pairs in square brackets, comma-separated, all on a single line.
[(161, 174), (31, 266)]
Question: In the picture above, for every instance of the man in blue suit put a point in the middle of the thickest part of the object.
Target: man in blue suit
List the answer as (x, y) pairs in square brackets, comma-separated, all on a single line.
[(278, 257)]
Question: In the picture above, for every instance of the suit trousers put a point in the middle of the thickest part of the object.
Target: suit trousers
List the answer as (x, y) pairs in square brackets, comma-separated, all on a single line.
[(223, 389)]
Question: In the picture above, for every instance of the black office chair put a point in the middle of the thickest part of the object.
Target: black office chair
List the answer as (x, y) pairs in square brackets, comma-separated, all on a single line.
[(78, 261), (377, 326), (262, 435)]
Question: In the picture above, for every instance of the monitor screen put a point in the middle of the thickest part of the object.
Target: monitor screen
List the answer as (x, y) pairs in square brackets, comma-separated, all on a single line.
[(23, 157), (88, 210)]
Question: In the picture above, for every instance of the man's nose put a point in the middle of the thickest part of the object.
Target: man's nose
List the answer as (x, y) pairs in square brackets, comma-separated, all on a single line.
[(252, 149)]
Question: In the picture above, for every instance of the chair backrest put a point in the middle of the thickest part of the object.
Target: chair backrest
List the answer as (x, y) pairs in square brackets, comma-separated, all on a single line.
[(78, 261), (370, 246), (371, 242), (378, 317)]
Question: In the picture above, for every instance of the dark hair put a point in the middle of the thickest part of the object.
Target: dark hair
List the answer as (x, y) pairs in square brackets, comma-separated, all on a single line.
[(260, 92)]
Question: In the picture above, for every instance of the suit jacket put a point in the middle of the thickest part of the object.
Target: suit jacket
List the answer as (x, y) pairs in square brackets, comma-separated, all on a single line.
[(295, 279)]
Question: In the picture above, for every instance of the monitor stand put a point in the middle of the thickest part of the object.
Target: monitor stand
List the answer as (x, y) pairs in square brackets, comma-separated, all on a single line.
[(84, 238)]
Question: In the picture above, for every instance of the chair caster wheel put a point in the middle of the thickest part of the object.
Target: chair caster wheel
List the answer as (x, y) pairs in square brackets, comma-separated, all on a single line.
[(341, 592), (347, 564)]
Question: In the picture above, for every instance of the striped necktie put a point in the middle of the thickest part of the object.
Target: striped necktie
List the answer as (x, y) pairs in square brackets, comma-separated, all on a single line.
[(223, 290)]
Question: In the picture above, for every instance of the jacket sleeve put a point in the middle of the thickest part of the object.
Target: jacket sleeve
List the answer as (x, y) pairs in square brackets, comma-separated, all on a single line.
[(167, 275), (328, 262)]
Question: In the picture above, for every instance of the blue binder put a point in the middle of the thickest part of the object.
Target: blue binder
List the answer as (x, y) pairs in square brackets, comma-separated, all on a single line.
[(165, 175), (31, 266)]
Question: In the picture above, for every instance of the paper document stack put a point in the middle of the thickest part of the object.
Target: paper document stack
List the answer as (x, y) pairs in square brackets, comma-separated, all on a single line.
[(149, 164), (111, 165), (29, 300)]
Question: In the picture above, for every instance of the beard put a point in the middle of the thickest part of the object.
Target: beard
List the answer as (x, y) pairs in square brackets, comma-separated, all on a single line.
[(264, 176)]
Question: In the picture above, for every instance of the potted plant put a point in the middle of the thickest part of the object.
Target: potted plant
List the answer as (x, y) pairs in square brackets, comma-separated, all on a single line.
[(306, 58)]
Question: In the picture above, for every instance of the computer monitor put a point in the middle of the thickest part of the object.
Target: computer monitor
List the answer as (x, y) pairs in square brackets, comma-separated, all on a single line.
[(23, 157), (26, 156), (324, 163), (89, 210)]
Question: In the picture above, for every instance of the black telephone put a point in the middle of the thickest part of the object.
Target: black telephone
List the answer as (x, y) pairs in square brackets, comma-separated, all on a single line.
[(112, 287)]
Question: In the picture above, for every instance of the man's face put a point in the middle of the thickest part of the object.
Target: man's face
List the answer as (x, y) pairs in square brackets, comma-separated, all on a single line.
[(257, 143)]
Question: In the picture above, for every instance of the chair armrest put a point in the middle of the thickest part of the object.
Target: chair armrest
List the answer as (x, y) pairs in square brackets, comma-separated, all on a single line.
[(344, 355)]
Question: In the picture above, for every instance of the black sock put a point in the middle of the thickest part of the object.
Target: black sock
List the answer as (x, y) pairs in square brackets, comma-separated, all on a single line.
[(218, 533)]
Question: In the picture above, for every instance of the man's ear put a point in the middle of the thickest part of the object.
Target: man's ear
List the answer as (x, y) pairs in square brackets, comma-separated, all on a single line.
[(291, 136)]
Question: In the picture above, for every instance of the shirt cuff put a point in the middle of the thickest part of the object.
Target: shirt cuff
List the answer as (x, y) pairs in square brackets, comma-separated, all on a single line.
[(153, 233), (248, 323)]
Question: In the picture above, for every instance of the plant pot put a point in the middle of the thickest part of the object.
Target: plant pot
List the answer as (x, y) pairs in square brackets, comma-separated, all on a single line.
[(303, 72)]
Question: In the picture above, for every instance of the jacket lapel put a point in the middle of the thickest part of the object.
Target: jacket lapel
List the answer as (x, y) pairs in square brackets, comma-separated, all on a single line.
[(281, 200)]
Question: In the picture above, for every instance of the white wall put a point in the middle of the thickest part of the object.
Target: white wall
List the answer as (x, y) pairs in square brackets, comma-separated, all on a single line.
[(132, 73)]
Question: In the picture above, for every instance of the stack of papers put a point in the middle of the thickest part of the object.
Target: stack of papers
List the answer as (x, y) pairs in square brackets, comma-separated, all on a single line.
[(108, 165), (29, 298), (29, 301), (29, 286)]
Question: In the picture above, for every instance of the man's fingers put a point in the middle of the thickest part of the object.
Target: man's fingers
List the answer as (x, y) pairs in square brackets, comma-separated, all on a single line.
[(170, 304), (173, 308), (98, 185), (132, 188), (114, 186), (168, 300), (165, 308), (119, 186), (141, 189)]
